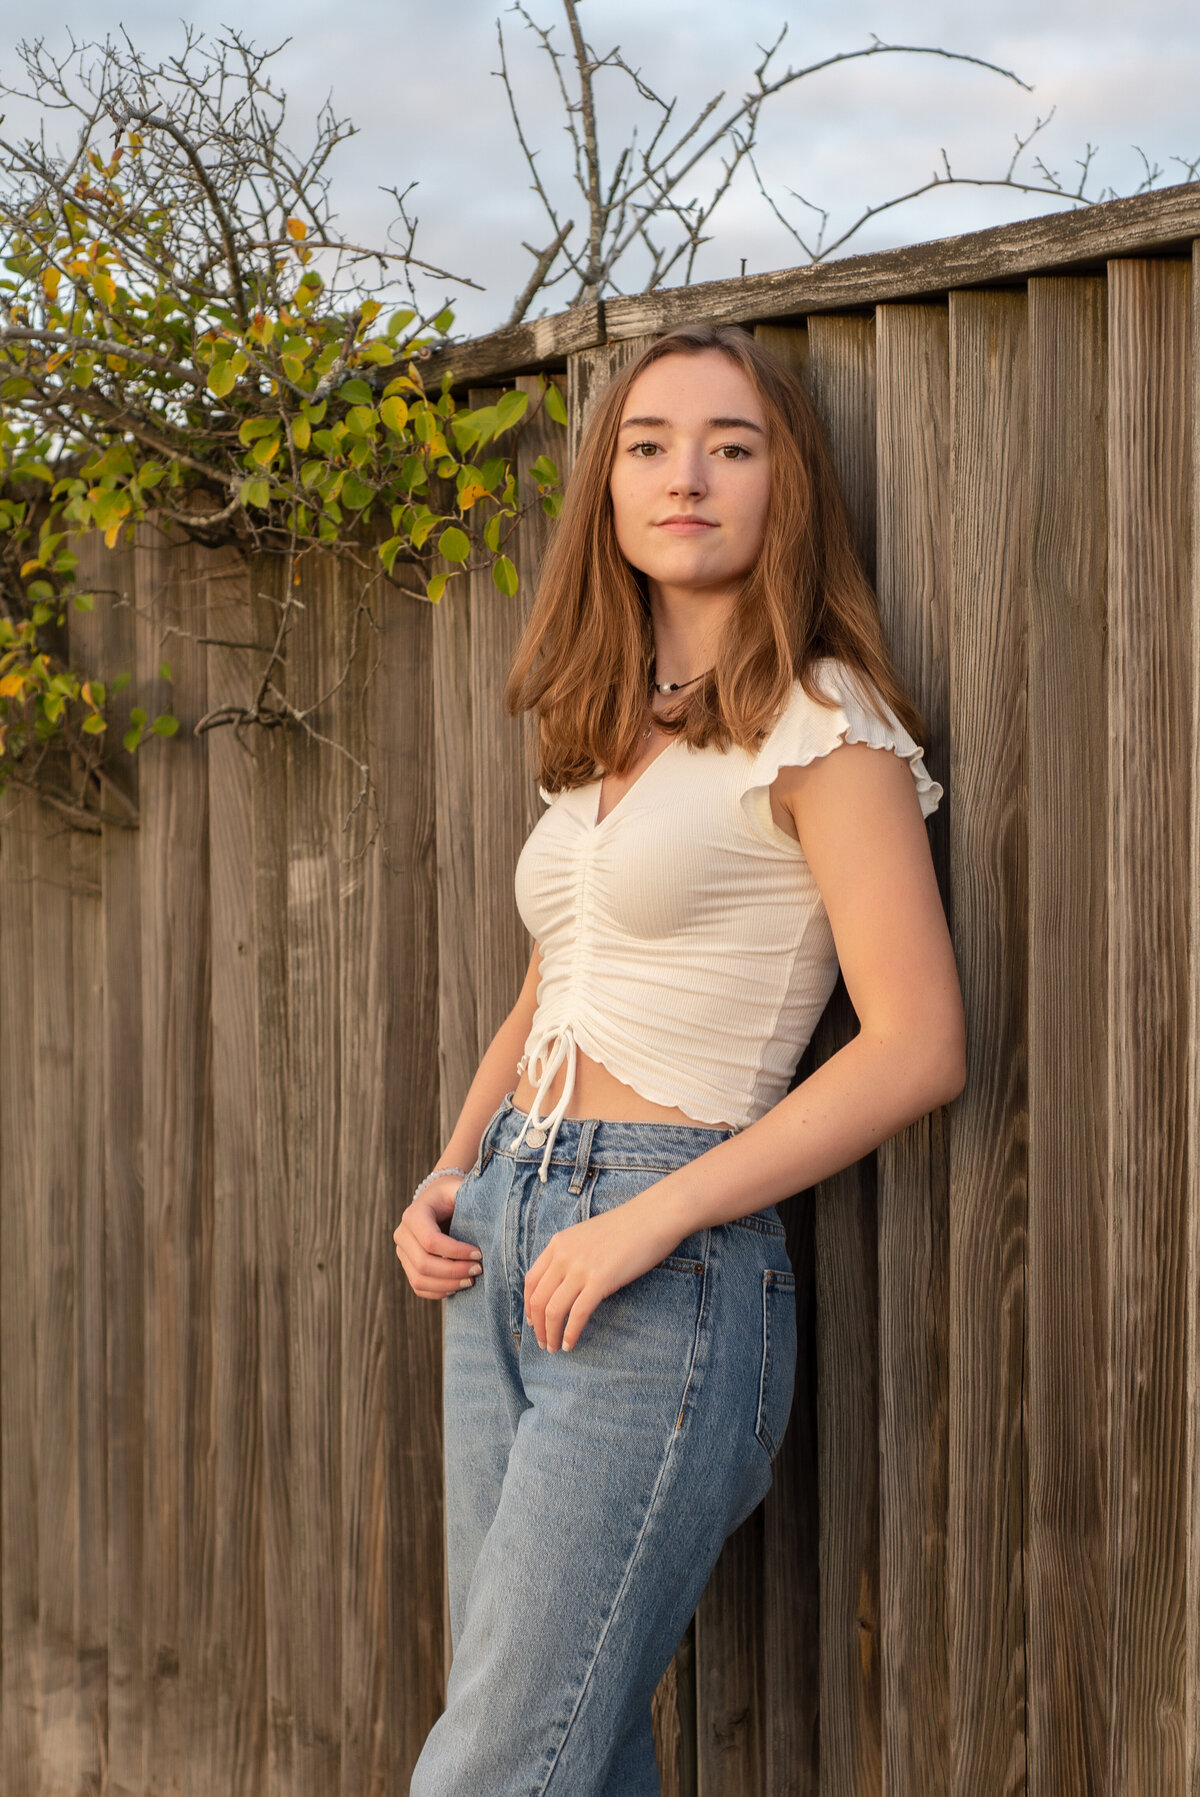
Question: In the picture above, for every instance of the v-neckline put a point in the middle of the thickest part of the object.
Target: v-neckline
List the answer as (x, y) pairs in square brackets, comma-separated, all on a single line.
[(599, 822)]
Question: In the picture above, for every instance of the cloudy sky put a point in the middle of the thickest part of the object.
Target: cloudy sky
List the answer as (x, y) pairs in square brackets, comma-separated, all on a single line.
[(417, 79)]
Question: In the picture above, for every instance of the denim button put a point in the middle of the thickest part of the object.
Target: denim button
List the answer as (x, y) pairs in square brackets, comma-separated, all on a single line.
[(535, 1137)]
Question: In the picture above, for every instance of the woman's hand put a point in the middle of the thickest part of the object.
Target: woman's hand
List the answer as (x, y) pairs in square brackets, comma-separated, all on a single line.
[(434, 1262), (586, 1263)]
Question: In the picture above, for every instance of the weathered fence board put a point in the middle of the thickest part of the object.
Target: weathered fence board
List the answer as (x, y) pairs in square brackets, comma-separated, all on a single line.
[(1149, 768), (985, 1571), (19, 1569), (234, 1036), (237, 1751), (842, 379), (913, 574), (1066, 1552)]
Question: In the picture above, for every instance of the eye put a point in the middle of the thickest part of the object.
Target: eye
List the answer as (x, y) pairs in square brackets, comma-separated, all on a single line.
[(733, 452), (635, 449)]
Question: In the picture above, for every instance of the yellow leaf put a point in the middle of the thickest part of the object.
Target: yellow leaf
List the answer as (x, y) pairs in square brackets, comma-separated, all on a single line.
[(29, 568), (470, 494), (105, 286), (11, 685), (297, 229), (50, 280), (111, 535)]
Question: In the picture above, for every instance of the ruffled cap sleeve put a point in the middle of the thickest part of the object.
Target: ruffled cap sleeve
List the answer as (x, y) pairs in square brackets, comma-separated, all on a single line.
[(806, 730)]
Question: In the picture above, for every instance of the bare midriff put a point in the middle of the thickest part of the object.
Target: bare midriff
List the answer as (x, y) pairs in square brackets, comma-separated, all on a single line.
[(598, 1093)]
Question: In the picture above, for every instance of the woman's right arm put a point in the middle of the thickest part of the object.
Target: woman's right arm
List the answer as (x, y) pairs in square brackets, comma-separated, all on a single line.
[(434, 1262)]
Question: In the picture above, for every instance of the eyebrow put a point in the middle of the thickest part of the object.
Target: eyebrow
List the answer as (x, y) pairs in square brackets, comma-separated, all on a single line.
[(717, 424)]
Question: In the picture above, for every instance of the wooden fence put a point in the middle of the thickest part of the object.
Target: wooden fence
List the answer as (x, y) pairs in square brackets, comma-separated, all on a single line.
[(232, 1038)]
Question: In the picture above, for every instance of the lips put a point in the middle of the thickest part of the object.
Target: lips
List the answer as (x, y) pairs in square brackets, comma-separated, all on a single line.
[(686, 527)]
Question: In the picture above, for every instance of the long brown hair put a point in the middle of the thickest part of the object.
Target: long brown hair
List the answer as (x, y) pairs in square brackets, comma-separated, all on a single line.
[(583, 661)]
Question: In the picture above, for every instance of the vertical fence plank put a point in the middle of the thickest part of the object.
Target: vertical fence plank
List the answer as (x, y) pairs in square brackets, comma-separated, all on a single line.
[(20, 1763), (1149, 880), (1192, 1769), (368, 1571), (120, 1050), (1066, 1547), (54, 1317), (913, 578), (273, 1157), (317, 807), (842, 381), (985, 1587), (237, 1755), (408, 1334), (91, 1587), (176, 1117), (791, 1570), (86, 1112)]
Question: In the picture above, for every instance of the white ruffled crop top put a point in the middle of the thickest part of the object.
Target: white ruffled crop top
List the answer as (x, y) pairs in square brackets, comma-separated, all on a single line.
[(684, 943)]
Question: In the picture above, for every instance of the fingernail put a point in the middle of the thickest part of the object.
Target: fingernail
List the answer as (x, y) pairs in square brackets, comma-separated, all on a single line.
[(566, 1347), (464, 1284)]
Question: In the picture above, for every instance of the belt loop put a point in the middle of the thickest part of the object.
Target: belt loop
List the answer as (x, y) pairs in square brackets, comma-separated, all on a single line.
[(583, 1155)]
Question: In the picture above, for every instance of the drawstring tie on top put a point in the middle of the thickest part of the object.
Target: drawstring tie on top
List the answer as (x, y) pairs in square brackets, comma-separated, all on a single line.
[(543, 1061)]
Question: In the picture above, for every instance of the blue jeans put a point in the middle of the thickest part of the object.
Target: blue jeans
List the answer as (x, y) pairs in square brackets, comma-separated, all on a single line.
[(588, 1493)]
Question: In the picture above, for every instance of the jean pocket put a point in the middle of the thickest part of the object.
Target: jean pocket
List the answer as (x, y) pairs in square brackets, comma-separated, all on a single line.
[(777, 1370), (607, 1188)]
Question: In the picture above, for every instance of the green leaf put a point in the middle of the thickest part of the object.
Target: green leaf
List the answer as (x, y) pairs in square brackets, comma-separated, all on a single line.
[(120, 682), (221, 378), (164, 724), (356, 492), (510, 407), (264, 452), (505, 576), (394, 414), (84, 601), (398, 320), (545, 472), (355, 393), (443, 321), (436, 587), (389, 551), (454, 544), (94, 725), (491, 533), (301, 433), (552, 504), (311, 473), (252, 428), (132, 737), (554, 403), (255, 492), (164, 671)]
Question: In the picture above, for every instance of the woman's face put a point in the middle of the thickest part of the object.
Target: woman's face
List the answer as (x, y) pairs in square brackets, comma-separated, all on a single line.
[(691, 477)]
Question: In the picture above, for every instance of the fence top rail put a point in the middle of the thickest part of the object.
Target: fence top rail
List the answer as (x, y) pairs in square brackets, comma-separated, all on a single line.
[(1153, 224)]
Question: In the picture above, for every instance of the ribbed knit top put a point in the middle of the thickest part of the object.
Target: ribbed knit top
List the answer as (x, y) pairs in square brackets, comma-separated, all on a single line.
[(684, 943)]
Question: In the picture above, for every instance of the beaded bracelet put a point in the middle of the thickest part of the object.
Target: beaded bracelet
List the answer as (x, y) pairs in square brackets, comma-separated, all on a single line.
[(437, 1174)]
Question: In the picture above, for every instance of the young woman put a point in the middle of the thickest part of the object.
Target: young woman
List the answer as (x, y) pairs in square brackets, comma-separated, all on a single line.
[(713, 691)]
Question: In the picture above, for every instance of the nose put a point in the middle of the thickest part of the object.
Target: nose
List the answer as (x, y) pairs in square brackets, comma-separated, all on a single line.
[(687, 474)]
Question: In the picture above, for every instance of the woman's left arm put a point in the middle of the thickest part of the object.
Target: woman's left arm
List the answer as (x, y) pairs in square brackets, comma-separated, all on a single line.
[(860, 826)]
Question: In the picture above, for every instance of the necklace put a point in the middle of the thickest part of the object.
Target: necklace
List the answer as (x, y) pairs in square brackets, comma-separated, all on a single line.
[(668, 686)]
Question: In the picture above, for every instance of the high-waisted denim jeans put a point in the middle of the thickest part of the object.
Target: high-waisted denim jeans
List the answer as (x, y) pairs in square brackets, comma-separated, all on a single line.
[(588, 1492)]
